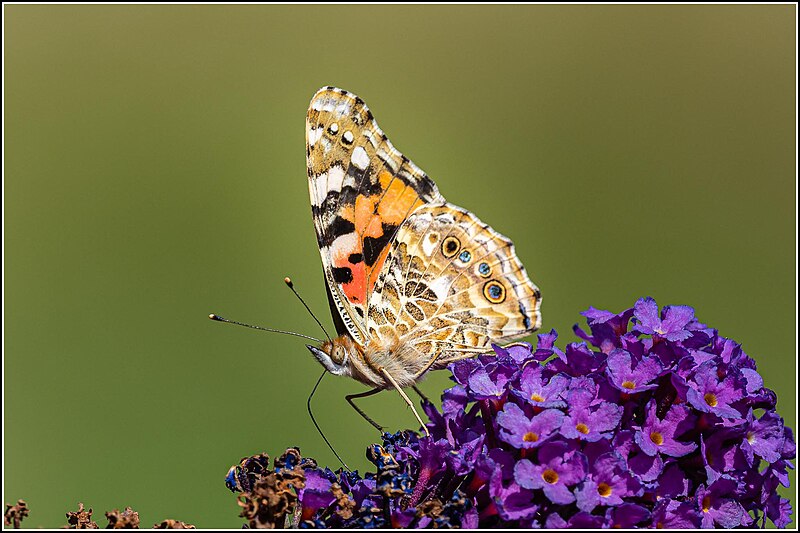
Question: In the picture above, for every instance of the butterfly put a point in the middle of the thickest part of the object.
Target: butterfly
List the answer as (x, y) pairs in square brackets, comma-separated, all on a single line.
[(414, 282)]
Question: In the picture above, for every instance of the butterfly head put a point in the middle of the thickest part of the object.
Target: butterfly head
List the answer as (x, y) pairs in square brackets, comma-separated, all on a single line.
[(333, 356)]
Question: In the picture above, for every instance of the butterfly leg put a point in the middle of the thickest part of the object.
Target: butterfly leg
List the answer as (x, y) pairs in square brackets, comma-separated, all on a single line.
[(391, 380), (351, 397)]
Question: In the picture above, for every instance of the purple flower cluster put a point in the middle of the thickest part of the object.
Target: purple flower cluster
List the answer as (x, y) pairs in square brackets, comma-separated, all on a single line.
[(654, 421)]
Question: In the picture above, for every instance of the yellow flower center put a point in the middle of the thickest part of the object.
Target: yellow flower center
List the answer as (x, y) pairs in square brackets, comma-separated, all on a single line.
[(706, 504), (537, 397), (628, 385), (711, 399), (751, 437), (582, 428), (550, 476), (530, 437), (604, 490), (657, 438)]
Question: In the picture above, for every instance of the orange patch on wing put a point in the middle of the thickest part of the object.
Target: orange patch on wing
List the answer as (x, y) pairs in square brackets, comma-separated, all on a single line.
[(342, 248), (366, 224), (397, 199), (368, 214), (356, 290)]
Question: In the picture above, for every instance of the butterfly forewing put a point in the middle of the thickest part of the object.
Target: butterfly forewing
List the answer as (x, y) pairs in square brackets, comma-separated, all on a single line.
[(362, 190)]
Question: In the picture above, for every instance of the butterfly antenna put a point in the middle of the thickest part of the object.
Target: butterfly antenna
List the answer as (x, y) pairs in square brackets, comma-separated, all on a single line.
[(314, 420), (218, 318), (288, 282)]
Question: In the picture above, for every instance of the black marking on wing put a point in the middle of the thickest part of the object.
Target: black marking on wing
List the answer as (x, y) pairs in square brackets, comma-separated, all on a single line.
[(340, 226), (373, 246), (342, 274), (526, 320)]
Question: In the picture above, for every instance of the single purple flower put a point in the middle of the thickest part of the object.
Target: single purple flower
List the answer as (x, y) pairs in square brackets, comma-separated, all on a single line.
[(490, 382), (631, 377), (779, 510), (539, 392), (585, 419), (558, 467), (670, 326), (607, 328), (606, 484), (659, 436), (545, 347), (763, 437), (523, 432), (711, 394), (718, 505)]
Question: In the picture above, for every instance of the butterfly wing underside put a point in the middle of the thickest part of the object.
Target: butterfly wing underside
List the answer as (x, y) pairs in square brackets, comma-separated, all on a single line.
[(450, 286), (362, 190)]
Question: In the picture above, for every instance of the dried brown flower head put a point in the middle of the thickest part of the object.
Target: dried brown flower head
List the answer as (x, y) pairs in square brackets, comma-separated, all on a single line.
[(127, 519), (15, 513), (274, 494), (82, 519)]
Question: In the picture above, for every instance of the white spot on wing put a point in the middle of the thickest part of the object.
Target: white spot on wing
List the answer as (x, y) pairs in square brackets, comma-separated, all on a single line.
[(313, 135), (360, 158), (429, 243), (344, 245), (440, 286), (335, 178), (320, 191)]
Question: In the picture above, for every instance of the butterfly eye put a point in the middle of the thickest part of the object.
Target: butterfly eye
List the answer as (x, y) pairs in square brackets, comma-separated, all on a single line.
[(465, 256), (494, 291), (484, 270), (450, 247), (337, 355)]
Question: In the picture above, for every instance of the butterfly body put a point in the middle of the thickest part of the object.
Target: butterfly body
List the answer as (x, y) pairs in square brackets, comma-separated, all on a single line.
[(344, 357), (414, 282)]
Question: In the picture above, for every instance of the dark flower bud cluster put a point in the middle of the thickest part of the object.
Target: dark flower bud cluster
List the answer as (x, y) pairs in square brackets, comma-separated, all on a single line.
[(268, 497), (654, 420)]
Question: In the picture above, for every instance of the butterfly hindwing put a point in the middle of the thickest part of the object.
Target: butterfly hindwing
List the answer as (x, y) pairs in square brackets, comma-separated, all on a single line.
[(362, 190), (449, 287)]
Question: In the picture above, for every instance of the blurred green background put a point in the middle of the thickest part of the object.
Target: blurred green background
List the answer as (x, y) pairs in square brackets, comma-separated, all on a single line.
[(155, 172)]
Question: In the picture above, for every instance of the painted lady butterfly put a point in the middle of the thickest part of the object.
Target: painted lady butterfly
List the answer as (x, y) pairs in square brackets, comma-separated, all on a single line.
[(414, 282)]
